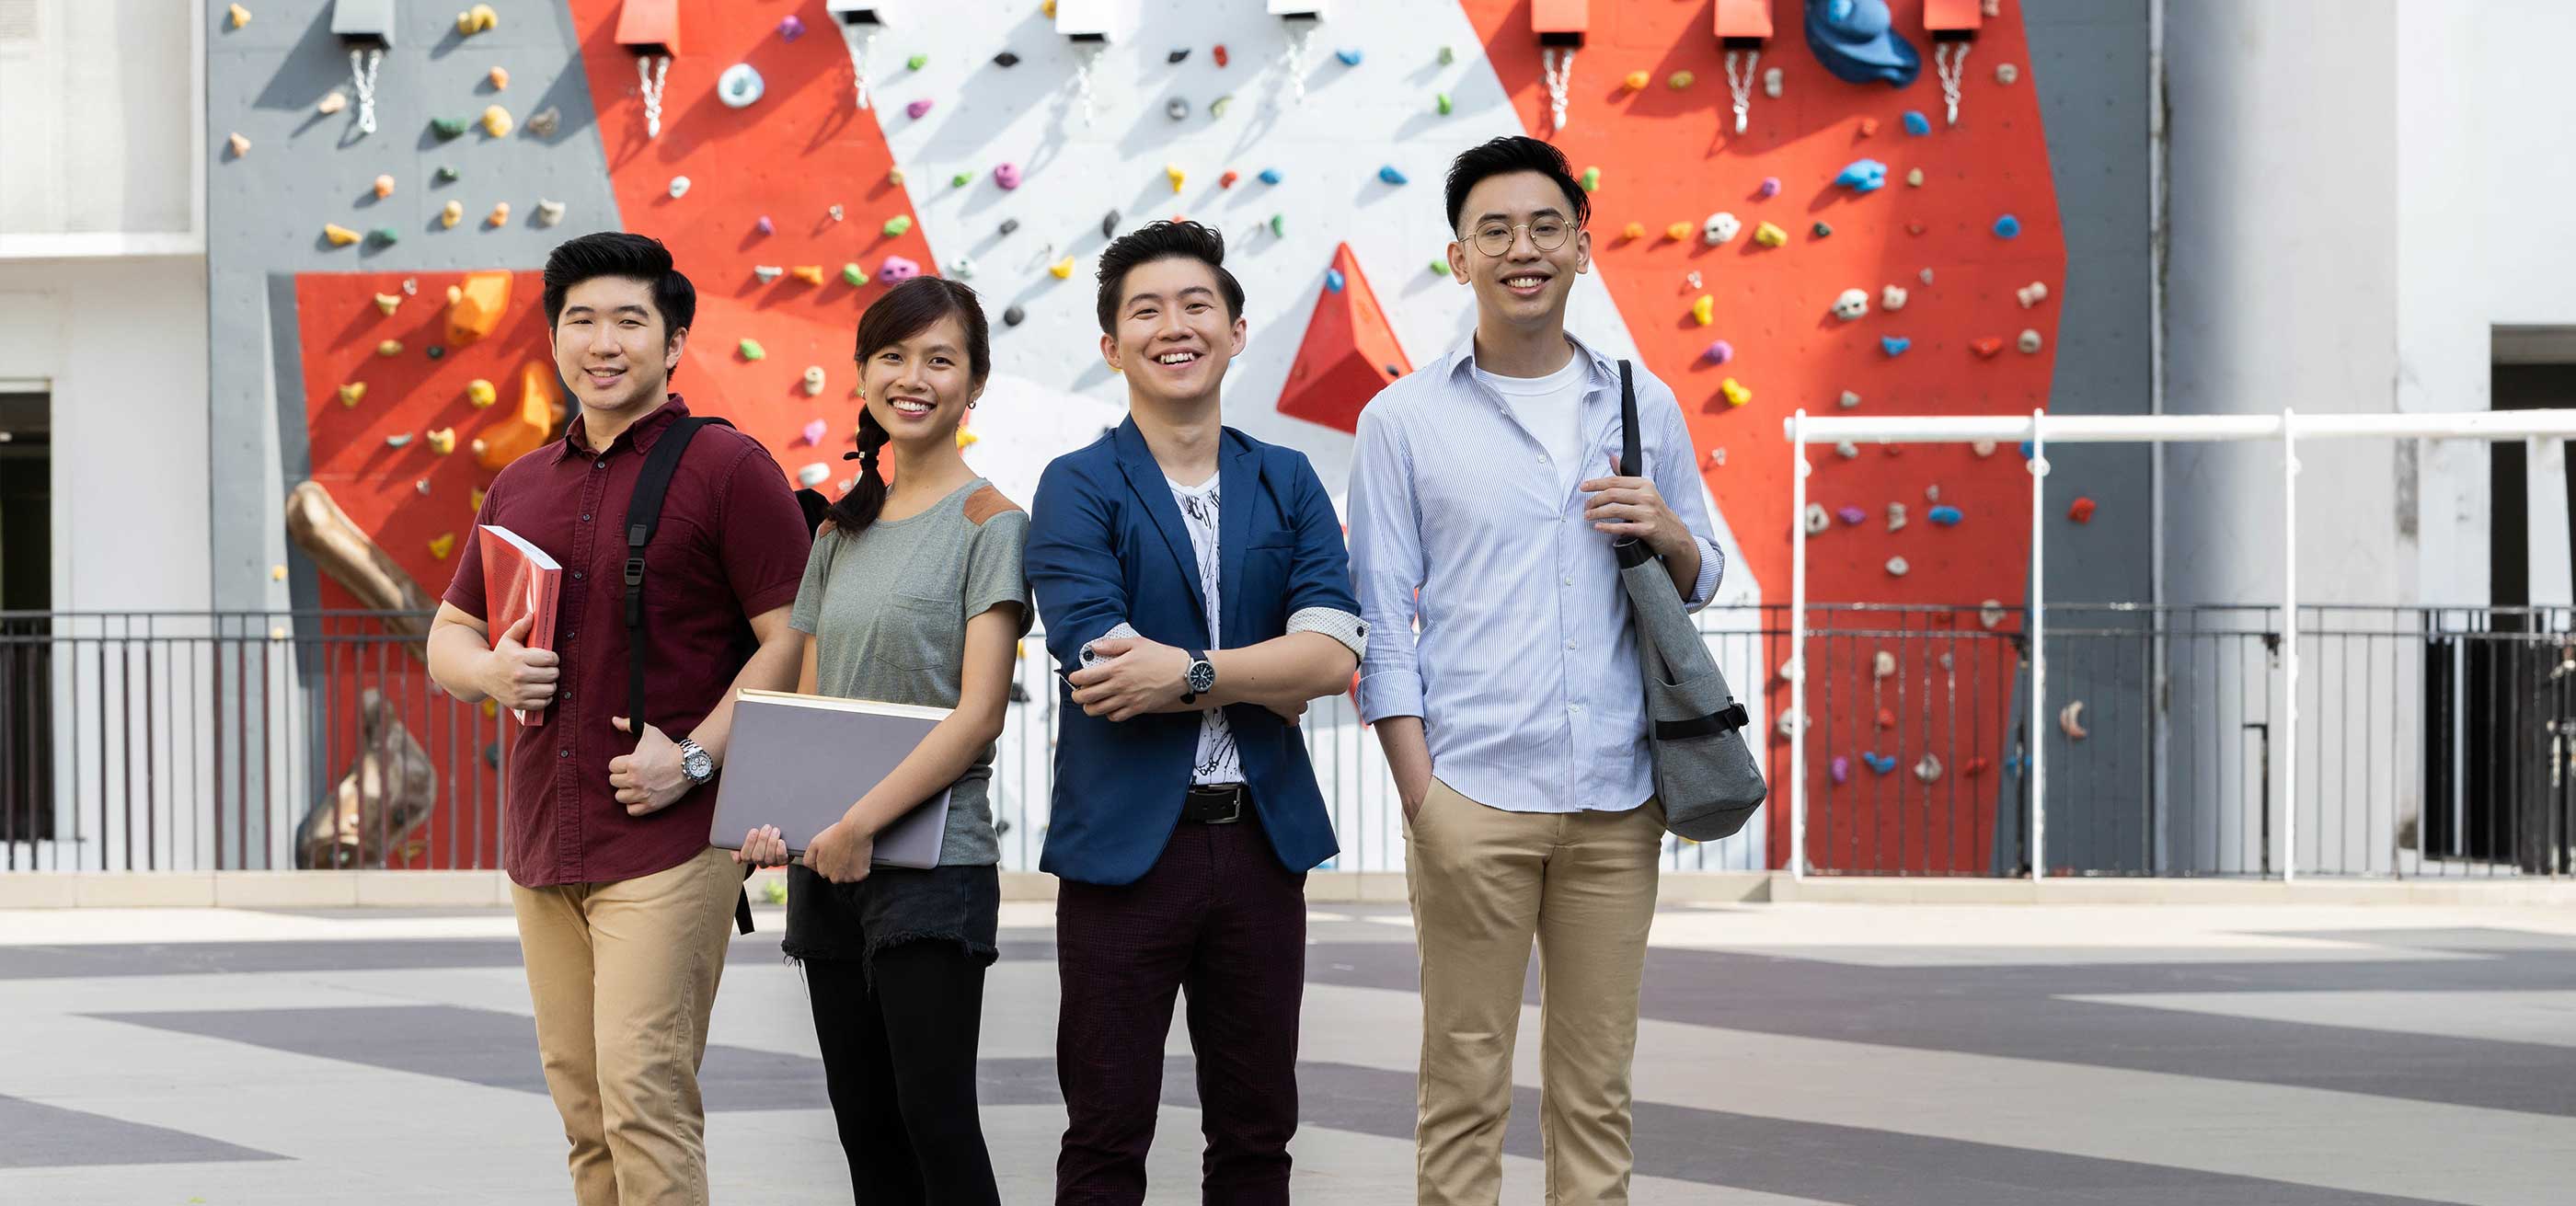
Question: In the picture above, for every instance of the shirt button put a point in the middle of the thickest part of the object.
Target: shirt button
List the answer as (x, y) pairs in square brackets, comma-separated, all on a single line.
[(565, 752), (1574, 707), (576, 575), (1569, 644), (1569, 582), (599, 464), (585, 519)]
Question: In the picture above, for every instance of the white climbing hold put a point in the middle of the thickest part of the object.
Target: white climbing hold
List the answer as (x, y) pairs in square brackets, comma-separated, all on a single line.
[(1851, 304), (1847, 450), (679, 187), (2031, 294), (1896, 567), (813, 475), (767, 272), (740, 86), (836, 212), (1882, 664), (1818, 519), (1896, 517), (1787, 724), (813, 380), (1848, 400), (240, 146), (1991, 614), (1983, 448), (549, 212), (1719, 228), (2027, 341), (2006, 73), (1771, 81), (1925, 276), (1892, 298), (962, 268), (2070, 721), (1717, 456), (1928, 769), (1932, 493)]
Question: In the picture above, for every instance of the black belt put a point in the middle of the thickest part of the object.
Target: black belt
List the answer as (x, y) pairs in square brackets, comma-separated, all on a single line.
[(1215, 805)]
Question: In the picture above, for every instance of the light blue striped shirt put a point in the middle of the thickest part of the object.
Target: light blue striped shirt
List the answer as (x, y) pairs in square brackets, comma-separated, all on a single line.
[(1524, 668)]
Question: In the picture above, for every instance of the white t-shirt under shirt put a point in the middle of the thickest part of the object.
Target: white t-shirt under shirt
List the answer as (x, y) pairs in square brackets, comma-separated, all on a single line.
[(1551, 408)]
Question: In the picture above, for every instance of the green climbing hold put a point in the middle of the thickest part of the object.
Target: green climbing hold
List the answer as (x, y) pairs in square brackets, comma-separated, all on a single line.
[(1278, 224), (446, 173), (1447, 56), (384, 236), (1592, 180), (751, 350), (898, 226), (1440, 266), (961, 180), (916, 62), (1443, 99), (1216, 108), (1822, 230), (437, 352), (852, 276), (450, 127)]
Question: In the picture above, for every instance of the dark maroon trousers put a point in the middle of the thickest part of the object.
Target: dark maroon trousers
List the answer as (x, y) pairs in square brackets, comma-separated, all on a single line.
[(1218, 918)]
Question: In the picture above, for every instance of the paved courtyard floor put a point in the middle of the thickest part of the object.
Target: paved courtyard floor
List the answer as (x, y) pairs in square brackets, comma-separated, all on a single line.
[(1882, 1055)]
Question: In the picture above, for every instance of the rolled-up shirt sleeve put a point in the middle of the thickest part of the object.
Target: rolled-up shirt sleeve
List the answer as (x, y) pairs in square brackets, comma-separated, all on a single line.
[(1386, 568)]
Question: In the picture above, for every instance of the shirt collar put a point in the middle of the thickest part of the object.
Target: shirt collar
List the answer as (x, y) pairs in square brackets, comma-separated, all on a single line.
[(640, 436)]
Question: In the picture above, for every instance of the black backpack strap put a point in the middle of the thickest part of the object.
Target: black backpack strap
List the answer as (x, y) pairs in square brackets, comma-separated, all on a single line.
[(1632, 552)]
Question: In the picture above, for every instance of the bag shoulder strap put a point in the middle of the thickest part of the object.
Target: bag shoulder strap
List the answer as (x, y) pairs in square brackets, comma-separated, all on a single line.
[(643, 516), (1632, 552)]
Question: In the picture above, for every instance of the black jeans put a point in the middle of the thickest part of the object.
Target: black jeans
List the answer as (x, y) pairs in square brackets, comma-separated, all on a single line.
[(899, 1062), (1216, 917)]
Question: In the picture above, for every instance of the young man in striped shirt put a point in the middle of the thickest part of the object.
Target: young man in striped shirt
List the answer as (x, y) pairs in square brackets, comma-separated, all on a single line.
[(1483, 503)]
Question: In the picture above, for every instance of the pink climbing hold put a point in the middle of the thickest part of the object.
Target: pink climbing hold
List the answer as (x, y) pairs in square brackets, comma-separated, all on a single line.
[(1719, 352), (1007, 175), (813, 433), (764, 225), (897, 269), (917, 108), (791, 27), (1770, 188)]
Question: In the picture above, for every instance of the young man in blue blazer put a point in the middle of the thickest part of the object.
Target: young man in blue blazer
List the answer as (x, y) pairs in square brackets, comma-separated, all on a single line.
[(1193, 581)]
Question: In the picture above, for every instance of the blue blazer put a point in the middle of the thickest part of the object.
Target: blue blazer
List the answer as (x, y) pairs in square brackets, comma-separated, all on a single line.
[(1107, 545)]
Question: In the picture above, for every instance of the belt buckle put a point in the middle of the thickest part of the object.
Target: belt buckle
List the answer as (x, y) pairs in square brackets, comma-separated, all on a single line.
[(1235, 798)]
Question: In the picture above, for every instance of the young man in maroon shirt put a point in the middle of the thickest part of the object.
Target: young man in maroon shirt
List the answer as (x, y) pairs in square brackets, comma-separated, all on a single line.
[(623, 907)]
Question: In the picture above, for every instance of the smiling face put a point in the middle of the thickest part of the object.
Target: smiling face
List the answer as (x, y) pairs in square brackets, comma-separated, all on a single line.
[(1173, 337), (918, 388), (612, 347), (1526, 284)]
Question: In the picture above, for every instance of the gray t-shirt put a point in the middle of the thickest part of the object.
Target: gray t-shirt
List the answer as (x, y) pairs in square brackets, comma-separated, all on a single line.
[(888, 610)]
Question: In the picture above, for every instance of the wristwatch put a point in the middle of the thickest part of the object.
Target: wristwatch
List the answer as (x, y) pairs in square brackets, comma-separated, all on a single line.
[(696, 763), (1201, 678)]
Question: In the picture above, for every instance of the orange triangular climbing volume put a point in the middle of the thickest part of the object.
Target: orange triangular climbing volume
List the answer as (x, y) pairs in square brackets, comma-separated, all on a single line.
[(1349, 354), (481, 298), (524, 432)]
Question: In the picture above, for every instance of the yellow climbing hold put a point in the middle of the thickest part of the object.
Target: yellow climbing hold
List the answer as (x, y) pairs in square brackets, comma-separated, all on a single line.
[(442, 544), (240, 145), (240, 16), (390, 347), (811, 274), (1063, 268), (1177, 176), (478, 19), (1637, 81), (1633, 230), (1704, 311), (1681, 80), (443, 441), (1769, 235), (496, 121), (966, 438), (350, 393), (1736, 392), (481, 393), (340, 236), (387, 301), (451, 213), (475, 499), (1679, 231)]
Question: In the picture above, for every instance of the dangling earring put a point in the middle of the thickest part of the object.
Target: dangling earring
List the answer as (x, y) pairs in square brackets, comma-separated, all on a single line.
[(970, 406)]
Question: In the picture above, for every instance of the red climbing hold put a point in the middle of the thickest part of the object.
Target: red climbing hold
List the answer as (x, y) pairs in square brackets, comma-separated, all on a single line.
[(1350, 352), (2081, 510), (1220, 54), (1886, 719), (1986, 347), (1974, 767)]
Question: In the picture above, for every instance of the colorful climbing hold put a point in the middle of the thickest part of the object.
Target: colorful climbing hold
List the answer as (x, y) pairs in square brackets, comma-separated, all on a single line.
[(1820, 230), (478, 19), (442, 441), (352, 392), (1718, 352), (1769, 235), (853, 275), (916, 62), (389, 348), (1636, 81), (811, 274), (500, 78), (1349, 55), (1986, 346), (496, 121), (446, 127), (1681, 80), (385, 302), (544, 122), (2028, 341), (1269, 176), (400, 439), (1862, 176), (679, 187), (1851, 516), (896, 270), (1868, 127), (1062, 269), (1447, 56), (500, 215), (898, 226), (1894, 345), (340, 236), (1390, 175), (1592, 180), (1916, 124), (549, 212), (446, 174), (1851, 304), (813, 382), (1440, 266), (238, 145), (1848, 400), (917, 109), (1839, 770), (1173, 173), (1333, 281), (961, 180), (1945, 516), (2007, 227), (2081, 510), (1219, 54), (750, 349), (1737, 393), (1634, 231), (1704, 310), (481, 394), (1720, 227), (239, 16), (1278, 226), (442, 544), (1769, 188), (2031, 294)]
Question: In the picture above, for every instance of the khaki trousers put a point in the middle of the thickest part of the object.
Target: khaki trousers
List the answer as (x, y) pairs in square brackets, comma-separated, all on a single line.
[(623, 975), (1483, 883)]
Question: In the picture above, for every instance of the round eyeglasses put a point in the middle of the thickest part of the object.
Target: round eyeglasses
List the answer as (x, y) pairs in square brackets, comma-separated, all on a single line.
[(1547, 234)]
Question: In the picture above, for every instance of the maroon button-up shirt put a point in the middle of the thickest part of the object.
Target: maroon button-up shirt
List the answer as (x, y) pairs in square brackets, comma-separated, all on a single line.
[(731, 545)]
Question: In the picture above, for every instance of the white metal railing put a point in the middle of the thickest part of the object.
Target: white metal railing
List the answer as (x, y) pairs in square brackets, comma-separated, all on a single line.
[(2039, 427)]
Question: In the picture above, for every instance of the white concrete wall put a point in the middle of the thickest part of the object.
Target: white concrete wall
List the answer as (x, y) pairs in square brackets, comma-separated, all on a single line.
[(103, 151)]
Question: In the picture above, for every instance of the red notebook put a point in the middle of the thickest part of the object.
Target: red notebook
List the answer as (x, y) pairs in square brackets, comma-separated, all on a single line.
[(519, 579)]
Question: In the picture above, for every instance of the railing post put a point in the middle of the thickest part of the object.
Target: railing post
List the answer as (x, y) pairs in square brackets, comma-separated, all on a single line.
[(1796, 666), (2037, 627), (2289, 645)]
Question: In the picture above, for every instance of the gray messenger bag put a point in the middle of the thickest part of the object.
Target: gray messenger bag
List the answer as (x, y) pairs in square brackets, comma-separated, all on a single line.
[(1704, 772)]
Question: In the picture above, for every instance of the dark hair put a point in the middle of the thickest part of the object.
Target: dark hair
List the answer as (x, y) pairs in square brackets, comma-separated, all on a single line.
[(617, 253), (1508, 154), (1164, 241), (906, 310)]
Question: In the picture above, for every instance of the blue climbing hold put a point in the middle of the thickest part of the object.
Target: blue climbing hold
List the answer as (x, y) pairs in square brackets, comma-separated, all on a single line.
[(1350, 57), (1894, 345), (1269, 176), (1390, 175), (1862, 176), (1333, 280), (1856, 40), (2025, 450), (1946, 516), (1916, 124), (2007, 227), (1884, 764)]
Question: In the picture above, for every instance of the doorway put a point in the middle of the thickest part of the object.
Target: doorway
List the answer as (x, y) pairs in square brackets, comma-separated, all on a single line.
[(26, 625)]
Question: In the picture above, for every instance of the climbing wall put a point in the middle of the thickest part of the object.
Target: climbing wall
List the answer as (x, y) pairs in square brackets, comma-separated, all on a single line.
[(998, 151)]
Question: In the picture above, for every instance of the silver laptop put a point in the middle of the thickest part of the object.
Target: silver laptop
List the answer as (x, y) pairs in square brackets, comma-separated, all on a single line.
[(799, 761)]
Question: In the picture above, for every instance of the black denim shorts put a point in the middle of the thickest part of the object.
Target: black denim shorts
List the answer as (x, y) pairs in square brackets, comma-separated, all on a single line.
[(894, 905)]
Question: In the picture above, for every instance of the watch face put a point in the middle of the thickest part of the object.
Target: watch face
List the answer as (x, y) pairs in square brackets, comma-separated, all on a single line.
[(699, 765), (1202, 678)]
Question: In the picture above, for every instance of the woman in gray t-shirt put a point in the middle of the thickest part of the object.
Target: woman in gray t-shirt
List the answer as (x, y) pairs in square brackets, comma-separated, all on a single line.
[(913, 595)]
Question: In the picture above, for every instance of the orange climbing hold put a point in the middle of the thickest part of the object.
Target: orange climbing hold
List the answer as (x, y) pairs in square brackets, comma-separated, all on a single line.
[(474, 310), (1986, 347), (811, 274), (526, 430), (1349, 354)]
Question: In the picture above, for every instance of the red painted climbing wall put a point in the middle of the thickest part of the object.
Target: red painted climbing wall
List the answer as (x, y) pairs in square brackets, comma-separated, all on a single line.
[(1670, 156)]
